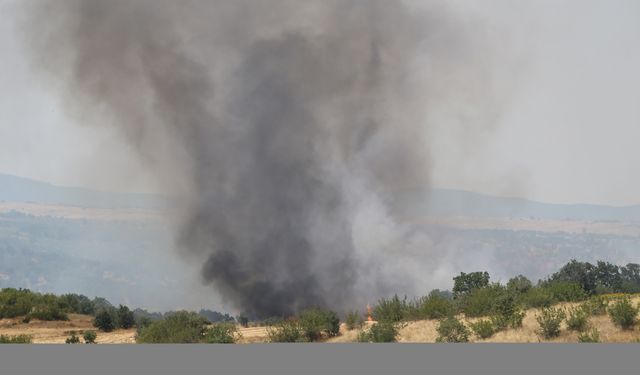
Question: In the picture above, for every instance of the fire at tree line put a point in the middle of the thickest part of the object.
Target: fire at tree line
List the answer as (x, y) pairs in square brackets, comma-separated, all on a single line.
[(603, 288)]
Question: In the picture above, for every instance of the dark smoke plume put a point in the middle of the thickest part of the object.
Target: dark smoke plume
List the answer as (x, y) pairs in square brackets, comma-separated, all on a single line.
[(280, 126)]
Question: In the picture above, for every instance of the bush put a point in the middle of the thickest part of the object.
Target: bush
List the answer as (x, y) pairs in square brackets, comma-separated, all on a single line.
[(566, 291), (452, 330), (243, 320), (434, 306), (15, 302), (73, 339), (536, 298), (390, 310), (519, 285), (549, 320), (315, 322), (20, 339), (77, 303), (589, 337), (506, 312), (623, 313), (380, 332), (221, 333), (176, 328), (90, 337), (125, 318), (354, 320), (49, 313), (501, 322), (285, 331), (104, 322), (480, 302), (483, 329), (577, 320), (595, 306), (515, 321)]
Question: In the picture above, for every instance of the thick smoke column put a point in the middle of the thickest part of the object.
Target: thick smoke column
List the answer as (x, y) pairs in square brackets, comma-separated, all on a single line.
[(281, 127)]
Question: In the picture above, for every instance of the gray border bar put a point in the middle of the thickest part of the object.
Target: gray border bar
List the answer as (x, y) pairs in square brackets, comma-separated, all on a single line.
[(458, 359)]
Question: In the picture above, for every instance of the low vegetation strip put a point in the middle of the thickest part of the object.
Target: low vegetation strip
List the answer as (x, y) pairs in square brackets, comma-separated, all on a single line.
[(579, 303)]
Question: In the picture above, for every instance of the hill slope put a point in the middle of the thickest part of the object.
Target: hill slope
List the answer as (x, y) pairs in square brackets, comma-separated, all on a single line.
[(19, 189)]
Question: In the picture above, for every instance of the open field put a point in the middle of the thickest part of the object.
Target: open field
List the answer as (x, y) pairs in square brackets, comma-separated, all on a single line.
[(56, 332)]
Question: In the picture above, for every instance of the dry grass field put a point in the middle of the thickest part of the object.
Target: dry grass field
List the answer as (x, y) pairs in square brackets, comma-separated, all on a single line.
[(57, 332), (422, 331)]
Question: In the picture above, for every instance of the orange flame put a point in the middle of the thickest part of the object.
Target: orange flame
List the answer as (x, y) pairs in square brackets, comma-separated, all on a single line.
[(369, 317)]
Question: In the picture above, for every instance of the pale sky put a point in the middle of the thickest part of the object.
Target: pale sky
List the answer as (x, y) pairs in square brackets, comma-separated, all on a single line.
[(568, 133)]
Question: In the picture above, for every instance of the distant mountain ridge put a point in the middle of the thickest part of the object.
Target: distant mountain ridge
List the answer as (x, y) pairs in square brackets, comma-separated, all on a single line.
[(446, 202), (411, 202), (19, 189)]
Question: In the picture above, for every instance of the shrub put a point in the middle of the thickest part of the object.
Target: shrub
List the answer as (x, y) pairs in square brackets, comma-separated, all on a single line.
[(536, 298), (73, 339), (26, 319), (49, 313), (515, 321), (90, 337), (354, 320), (221, 333), (480, 302), (285, 331), (104, 322), (589, 337), (577, 319), (519, 284), (77, 303), (596, 305), (566, 291), (434, 306), (452, 330), (483, 328), (390, 310), (383, 331), (125, 318), (314, 322), (15, 302), (176, 328), (506, 312), (549, 320), (243, 320), (623, 313), (20, 339)]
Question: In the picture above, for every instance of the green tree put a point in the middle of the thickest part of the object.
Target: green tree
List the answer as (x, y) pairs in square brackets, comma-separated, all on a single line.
[(467, 282), (582, 273), (125, 317), (104, 321), (519, 284), (176, 328)]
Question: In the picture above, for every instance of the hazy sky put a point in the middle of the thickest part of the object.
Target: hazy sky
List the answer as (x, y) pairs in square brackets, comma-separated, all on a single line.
[(568, 132)]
